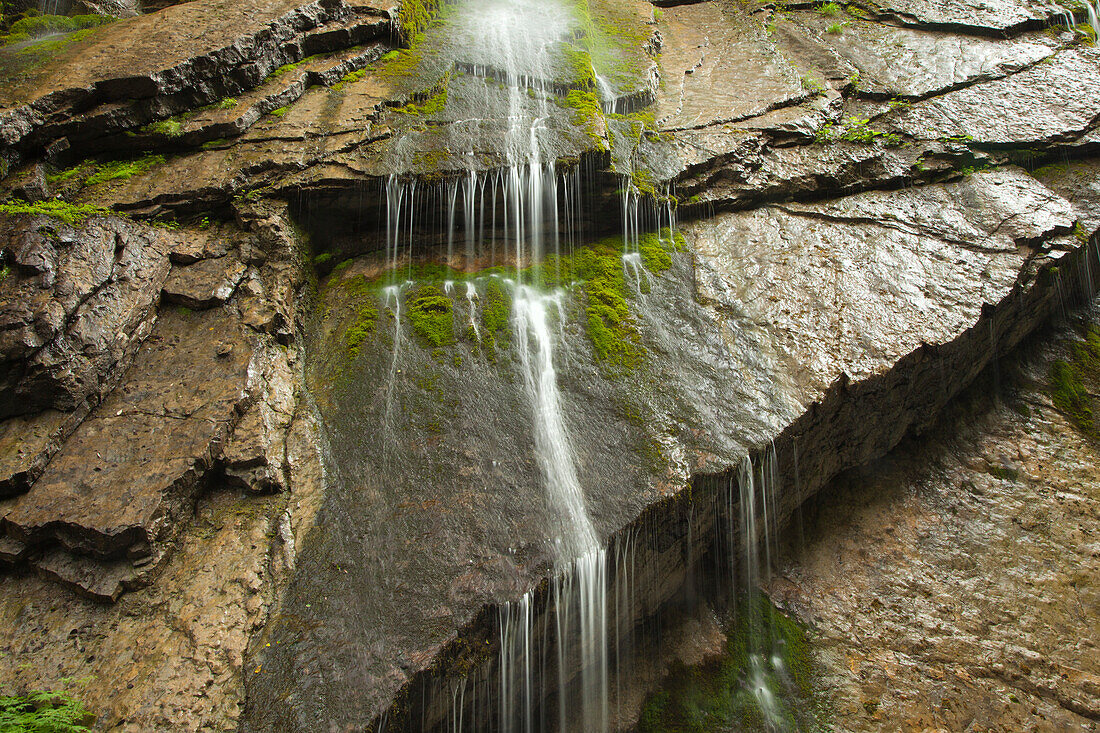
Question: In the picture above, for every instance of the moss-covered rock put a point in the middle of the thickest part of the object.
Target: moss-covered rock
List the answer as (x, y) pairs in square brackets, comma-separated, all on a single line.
[(716, 695), (431, 314)]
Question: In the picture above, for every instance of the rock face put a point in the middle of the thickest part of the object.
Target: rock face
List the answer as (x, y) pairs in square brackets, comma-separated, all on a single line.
[(269, 453), (953, 584)]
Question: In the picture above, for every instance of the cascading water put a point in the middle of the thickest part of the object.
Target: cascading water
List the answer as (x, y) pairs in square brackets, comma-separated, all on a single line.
[(513, 216)]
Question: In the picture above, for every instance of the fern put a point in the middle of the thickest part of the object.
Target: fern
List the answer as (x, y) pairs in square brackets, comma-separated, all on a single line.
[(43, 712)]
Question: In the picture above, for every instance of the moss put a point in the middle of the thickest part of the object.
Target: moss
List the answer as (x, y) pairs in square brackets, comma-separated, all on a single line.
[(322, 258), (496, 311), (360, 294), (610, 326), (655, 255), (37, 26), (287, 68), (69, 174), (227, 103), (349, 78), (279, 111), (172, 127), (587, 114), (123, 169), (72, 214), (432, 105), (432, 315), (415, 16), (1069, 395), (582, 76), (714, 695)]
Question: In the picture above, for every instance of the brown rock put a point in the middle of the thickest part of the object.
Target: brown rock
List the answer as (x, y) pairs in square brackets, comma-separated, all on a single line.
[(134, 467), (205, 284), (75, 309)]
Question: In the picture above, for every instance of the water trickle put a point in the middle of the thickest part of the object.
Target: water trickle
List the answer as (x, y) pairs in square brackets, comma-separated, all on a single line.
[(757, 508), (632, 264), (391, 295), (472, 300)]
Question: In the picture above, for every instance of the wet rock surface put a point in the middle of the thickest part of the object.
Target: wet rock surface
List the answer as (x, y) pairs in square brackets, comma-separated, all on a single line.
[(952, 585), (240, 491)]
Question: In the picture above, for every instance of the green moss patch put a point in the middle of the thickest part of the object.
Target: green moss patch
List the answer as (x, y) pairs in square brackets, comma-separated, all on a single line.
[(72, 214), (116, 170), (38, 26), (432, 105), (415, 16), (360, 294), (431, 314), (1068, 390), (715, 695), (586, 114), (496, 312)]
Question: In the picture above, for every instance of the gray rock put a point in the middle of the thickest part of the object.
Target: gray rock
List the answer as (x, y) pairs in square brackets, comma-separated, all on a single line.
[(1048, 102)]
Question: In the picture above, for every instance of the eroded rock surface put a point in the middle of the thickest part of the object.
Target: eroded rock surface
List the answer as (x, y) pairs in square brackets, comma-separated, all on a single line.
[(953, 585), (307, 512)]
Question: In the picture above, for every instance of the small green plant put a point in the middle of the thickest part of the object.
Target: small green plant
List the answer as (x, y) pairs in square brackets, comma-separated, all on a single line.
[(836, 28), (1081, 233), (830, 10), (172, 127), (227, 103), (43, 712), (857, 129), (810, 84), (279, 111)]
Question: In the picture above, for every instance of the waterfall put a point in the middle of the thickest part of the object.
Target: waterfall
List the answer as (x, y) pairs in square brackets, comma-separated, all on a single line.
[(515, 216)]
